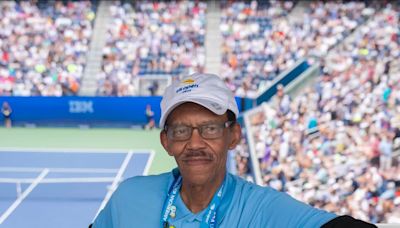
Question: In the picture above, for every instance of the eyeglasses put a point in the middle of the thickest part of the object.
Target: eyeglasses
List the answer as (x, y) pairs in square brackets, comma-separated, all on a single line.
[(206, 131)]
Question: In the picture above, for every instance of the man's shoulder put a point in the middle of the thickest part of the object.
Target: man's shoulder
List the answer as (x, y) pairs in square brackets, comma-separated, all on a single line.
[(142, 181), (136, 198), (262, 196), (143, 184), (265, 205), (251, 188)]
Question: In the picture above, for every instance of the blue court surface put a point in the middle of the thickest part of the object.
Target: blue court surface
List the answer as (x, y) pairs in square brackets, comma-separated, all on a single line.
[(62, 188)]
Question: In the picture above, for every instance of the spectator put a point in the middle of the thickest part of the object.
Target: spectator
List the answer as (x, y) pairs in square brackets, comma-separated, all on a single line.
[(385, 148), (153, 88)]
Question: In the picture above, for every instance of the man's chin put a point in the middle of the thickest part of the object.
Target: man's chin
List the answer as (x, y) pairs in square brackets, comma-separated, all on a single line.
[(195, 163), (197, 174)]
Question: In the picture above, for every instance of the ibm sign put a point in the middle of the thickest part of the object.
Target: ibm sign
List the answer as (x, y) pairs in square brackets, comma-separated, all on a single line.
[(79, 106)]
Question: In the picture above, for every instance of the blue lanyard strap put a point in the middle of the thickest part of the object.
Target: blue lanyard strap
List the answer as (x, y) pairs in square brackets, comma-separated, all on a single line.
[(209, 218), (172, 193)]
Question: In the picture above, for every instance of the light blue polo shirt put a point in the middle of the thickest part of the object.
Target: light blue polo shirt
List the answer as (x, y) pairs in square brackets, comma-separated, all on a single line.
[(138, 202)]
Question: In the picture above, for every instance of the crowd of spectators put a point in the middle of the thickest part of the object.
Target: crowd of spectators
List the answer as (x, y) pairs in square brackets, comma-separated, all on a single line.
[(43, 49), (151, 38), (240, 159), (336, 146), (260, 41)]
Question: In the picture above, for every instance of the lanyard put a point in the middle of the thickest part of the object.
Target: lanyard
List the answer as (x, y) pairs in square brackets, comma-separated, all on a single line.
[(172, 192), (209, 218)]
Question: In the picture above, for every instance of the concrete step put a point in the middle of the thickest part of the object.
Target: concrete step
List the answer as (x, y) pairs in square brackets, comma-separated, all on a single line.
[(213, 39), (95, 55)]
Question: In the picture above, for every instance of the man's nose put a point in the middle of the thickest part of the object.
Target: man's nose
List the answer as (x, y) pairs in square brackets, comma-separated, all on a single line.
[(195, 140)]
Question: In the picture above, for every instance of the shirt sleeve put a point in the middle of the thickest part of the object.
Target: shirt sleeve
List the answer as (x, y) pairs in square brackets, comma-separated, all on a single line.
[(104, 218)]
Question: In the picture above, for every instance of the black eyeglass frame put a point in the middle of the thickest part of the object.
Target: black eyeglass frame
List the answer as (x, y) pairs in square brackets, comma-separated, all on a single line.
[(200, 129)]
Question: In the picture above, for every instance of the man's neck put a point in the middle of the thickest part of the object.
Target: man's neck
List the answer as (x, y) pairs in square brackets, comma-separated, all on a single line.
[(197, 197)]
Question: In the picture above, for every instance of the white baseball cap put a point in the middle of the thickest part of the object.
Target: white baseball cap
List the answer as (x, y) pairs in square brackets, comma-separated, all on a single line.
[(207, 90)]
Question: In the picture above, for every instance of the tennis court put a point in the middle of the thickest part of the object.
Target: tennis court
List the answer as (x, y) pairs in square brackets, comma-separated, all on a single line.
[(92, 156), (62, 187)]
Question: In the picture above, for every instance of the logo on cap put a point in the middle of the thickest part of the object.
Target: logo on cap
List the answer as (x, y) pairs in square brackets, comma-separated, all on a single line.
[(187, 81), (188, 85)]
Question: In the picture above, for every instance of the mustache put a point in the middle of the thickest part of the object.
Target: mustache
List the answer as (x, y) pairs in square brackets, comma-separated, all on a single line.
[(196, 154)]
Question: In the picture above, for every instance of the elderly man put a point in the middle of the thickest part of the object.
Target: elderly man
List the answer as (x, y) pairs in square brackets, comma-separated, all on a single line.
[(199, 127)]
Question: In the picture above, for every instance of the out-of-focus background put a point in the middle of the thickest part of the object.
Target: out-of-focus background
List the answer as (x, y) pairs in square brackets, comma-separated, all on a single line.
[(317, 84)]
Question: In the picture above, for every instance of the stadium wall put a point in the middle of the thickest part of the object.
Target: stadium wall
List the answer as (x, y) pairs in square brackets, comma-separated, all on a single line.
[(84, 111), (284, 78)]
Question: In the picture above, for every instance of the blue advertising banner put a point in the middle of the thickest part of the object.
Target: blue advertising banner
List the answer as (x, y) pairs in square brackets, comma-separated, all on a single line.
[(91, 111)]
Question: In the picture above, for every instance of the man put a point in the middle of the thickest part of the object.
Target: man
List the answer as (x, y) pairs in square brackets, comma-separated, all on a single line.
[(199, 127), (6, 111), (150, 123)]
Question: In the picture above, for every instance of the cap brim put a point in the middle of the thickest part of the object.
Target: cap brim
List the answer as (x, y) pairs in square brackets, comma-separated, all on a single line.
[(207, 103)]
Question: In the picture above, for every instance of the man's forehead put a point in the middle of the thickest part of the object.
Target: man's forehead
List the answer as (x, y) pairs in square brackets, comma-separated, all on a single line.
[(190, 107), (185, 110)]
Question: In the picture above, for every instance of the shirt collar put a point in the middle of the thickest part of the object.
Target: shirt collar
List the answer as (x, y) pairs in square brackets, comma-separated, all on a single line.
[(227, 196)]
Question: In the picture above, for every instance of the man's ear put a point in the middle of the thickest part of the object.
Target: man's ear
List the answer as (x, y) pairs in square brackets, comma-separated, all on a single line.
[(236, 133), (164, 141)]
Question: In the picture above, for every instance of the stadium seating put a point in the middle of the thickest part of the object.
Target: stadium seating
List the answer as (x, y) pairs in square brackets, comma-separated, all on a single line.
[(151, 38), (331, 146), (260, 41), (43, 50)]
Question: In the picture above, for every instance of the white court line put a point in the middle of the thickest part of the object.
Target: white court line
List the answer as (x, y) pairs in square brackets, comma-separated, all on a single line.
[(58, 180), (149, 162), (72, 150), (56, 170), (116, 181), (19, 200)]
